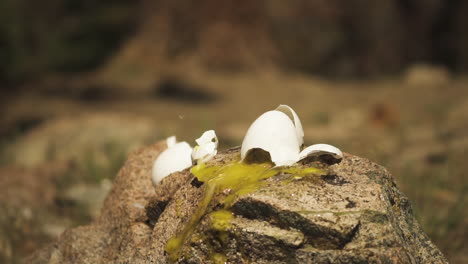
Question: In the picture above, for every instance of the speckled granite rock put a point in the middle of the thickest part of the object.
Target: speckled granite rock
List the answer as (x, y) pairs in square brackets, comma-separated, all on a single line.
[(353, 213)]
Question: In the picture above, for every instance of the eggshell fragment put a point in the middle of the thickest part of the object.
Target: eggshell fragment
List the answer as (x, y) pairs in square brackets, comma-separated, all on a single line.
[(207, 146), (321, 149), (274, 132), (297, 122), (176, 157), (207, 137), (171, 141)]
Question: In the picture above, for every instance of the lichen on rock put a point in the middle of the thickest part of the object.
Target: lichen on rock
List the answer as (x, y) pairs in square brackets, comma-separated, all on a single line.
[(349, 212)]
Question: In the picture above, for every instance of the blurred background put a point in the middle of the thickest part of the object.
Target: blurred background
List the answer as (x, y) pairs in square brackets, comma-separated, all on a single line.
[(83, 83)]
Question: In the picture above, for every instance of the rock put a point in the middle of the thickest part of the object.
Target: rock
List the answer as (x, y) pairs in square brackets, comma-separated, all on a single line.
[(350, 212)]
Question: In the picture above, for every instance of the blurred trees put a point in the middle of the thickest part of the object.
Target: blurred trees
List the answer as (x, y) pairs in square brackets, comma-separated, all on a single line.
[(37, 37), (335, 38), (344, 38)]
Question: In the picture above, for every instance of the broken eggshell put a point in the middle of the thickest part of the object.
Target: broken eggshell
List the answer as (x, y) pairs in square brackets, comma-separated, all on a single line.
[(275, 133), (207, 146), (277, 136), (295, 118), (176, 157), (171, 141), (317, 150)]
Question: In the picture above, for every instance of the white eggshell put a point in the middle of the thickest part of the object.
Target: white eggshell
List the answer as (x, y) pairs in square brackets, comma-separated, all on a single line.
[(274, 132), (204, 152), (171, 141), (175, 158), (207, 137), (321, 149), (297, 122), (207, 146)]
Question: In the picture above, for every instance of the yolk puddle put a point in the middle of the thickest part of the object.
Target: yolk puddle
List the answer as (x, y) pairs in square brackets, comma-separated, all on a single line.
[(237, 177)]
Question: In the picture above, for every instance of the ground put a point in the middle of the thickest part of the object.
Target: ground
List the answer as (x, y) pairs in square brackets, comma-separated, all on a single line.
[(414, 125)]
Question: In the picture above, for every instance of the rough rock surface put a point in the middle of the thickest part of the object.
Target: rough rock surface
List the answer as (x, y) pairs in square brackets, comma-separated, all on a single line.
[(354, 213)]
